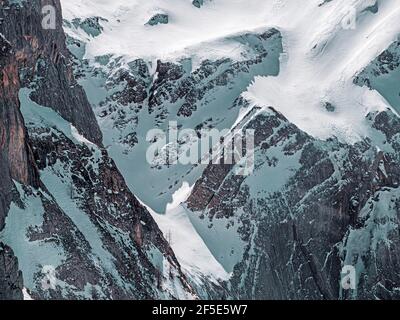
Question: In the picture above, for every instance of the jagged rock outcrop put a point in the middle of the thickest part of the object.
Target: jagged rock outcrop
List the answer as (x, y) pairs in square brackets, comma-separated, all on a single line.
[(92, 26), (11, 284), (44, 59), (70, 227), (198, 3), (137, 94), (383, 75), (159, 18), (309, 208), (73, 224)]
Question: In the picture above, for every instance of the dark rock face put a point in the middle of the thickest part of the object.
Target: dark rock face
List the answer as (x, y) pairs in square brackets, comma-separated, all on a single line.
[(180, 91), (42, 57), (5, 187), (199, 3), (200, 96), (92, 26), (195, 94), (175, 85), (298, 235), (11, 284), (127, 233), (16, 159), (5, 47), (383, 75), (75, 204), (309, 207), (159, 18), (15, 152)]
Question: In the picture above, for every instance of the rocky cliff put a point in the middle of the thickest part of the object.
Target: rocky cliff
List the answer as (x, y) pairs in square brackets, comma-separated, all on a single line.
[(73, 142), (71, 228), (309, 208)]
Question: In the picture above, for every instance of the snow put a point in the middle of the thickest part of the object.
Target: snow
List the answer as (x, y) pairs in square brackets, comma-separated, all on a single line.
[(209, 38), (42, 117), (80, 138), (58, 180), (224, 242), (269, 178), (190, 249), (32, 255), (387, 84), (187, 28), (61, 191), (217, 105), (381, 223), (320, 62), (322, 55), (180, 196), (27, 296)]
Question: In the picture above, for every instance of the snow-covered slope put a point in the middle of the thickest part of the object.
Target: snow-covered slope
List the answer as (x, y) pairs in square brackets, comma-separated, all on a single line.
[(322, 57), (127, 34), (70, 228), (322, 52), (205, 273), (316, 63)]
